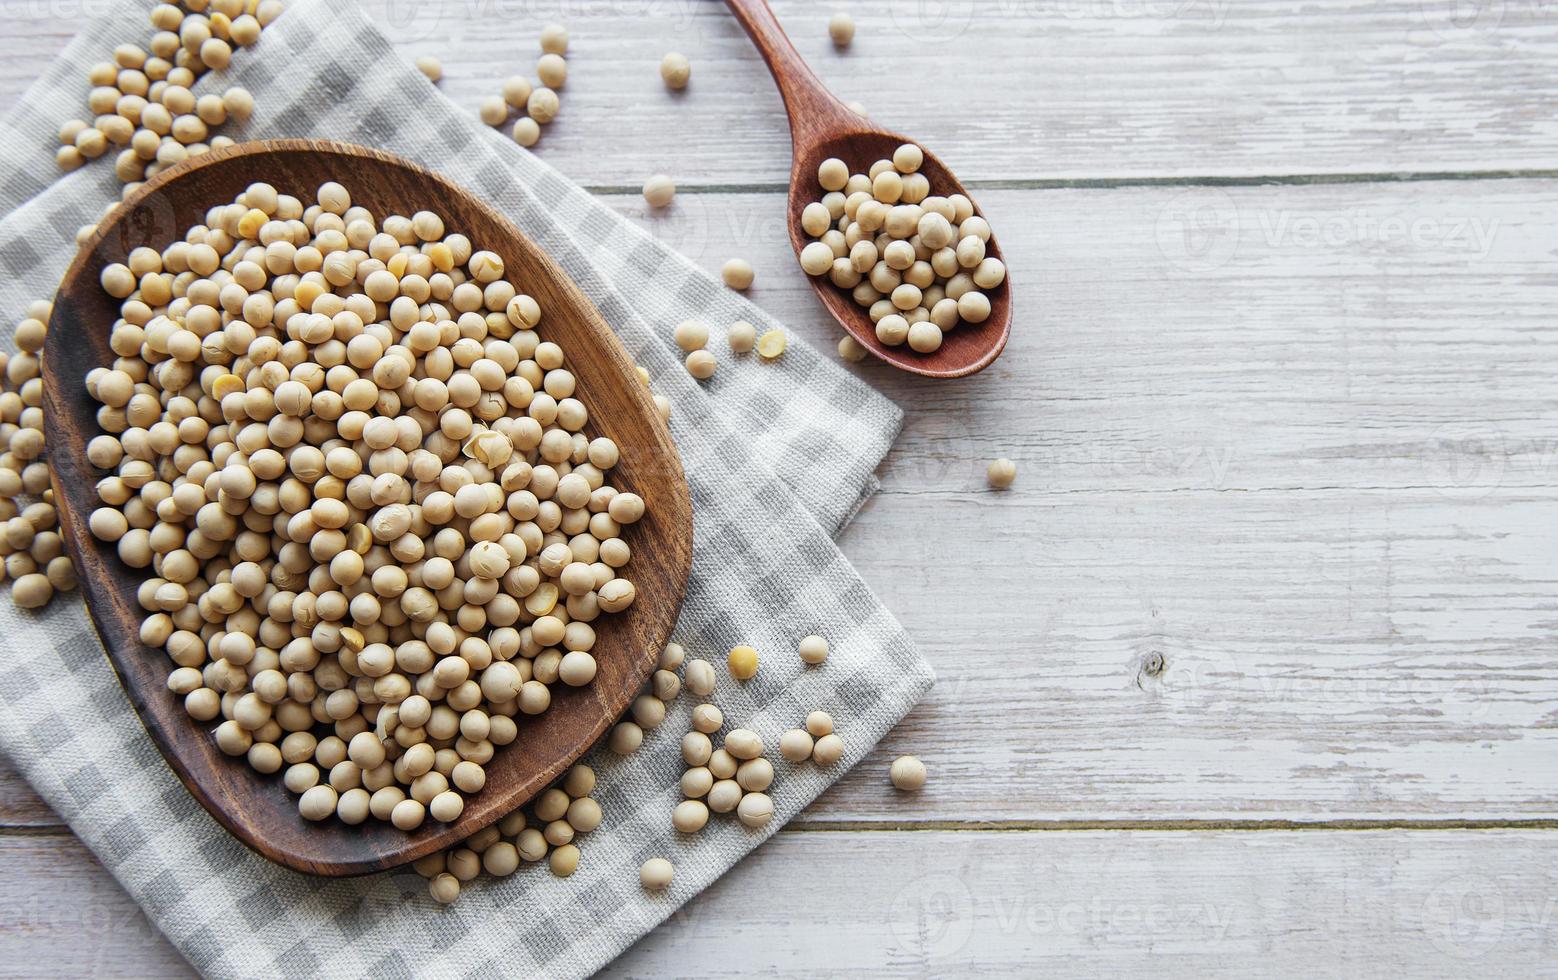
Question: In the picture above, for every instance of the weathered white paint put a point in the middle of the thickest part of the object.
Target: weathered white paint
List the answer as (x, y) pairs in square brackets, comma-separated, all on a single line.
[(1229, 903), (1334, 528), (1298, 444), (1292, 456), (1017, 90)]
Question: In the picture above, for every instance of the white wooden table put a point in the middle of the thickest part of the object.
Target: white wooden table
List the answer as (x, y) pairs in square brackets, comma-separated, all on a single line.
[(1255, 667)]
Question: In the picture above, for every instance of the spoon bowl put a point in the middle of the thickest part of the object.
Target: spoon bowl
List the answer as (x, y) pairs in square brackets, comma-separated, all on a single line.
[(822, 127), (257, 808)]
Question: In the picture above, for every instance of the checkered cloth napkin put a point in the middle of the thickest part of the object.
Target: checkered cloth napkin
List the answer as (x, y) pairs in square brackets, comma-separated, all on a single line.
[(779, 455)]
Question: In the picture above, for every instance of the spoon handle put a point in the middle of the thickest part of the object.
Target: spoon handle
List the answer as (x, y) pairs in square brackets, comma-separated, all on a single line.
[(815, 113)]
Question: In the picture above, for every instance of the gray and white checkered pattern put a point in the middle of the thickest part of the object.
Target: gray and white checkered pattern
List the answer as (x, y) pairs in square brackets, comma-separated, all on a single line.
[(779, 456)]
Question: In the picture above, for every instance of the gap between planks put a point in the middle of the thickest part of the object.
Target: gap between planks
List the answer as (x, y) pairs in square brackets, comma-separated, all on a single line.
[(803, 826), (1125, 182)]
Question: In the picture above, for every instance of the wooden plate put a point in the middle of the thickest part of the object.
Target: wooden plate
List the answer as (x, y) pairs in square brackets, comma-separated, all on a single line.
[(257, 808)]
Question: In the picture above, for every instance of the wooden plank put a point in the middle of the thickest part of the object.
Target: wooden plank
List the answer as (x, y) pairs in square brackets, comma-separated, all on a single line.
[(1316, 483), (1024, 904), (1308, 468), (1226, 339), (1301, 656), (1324, 656), (63, 915), (1215, 903), (19, 805), (1062, 90)]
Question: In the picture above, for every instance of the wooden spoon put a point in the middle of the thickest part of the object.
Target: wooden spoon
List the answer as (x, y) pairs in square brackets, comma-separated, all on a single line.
[(821, 127), (257, 808)]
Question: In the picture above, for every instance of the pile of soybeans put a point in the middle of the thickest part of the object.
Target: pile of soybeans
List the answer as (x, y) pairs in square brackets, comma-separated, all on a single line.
[(357, 480)]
